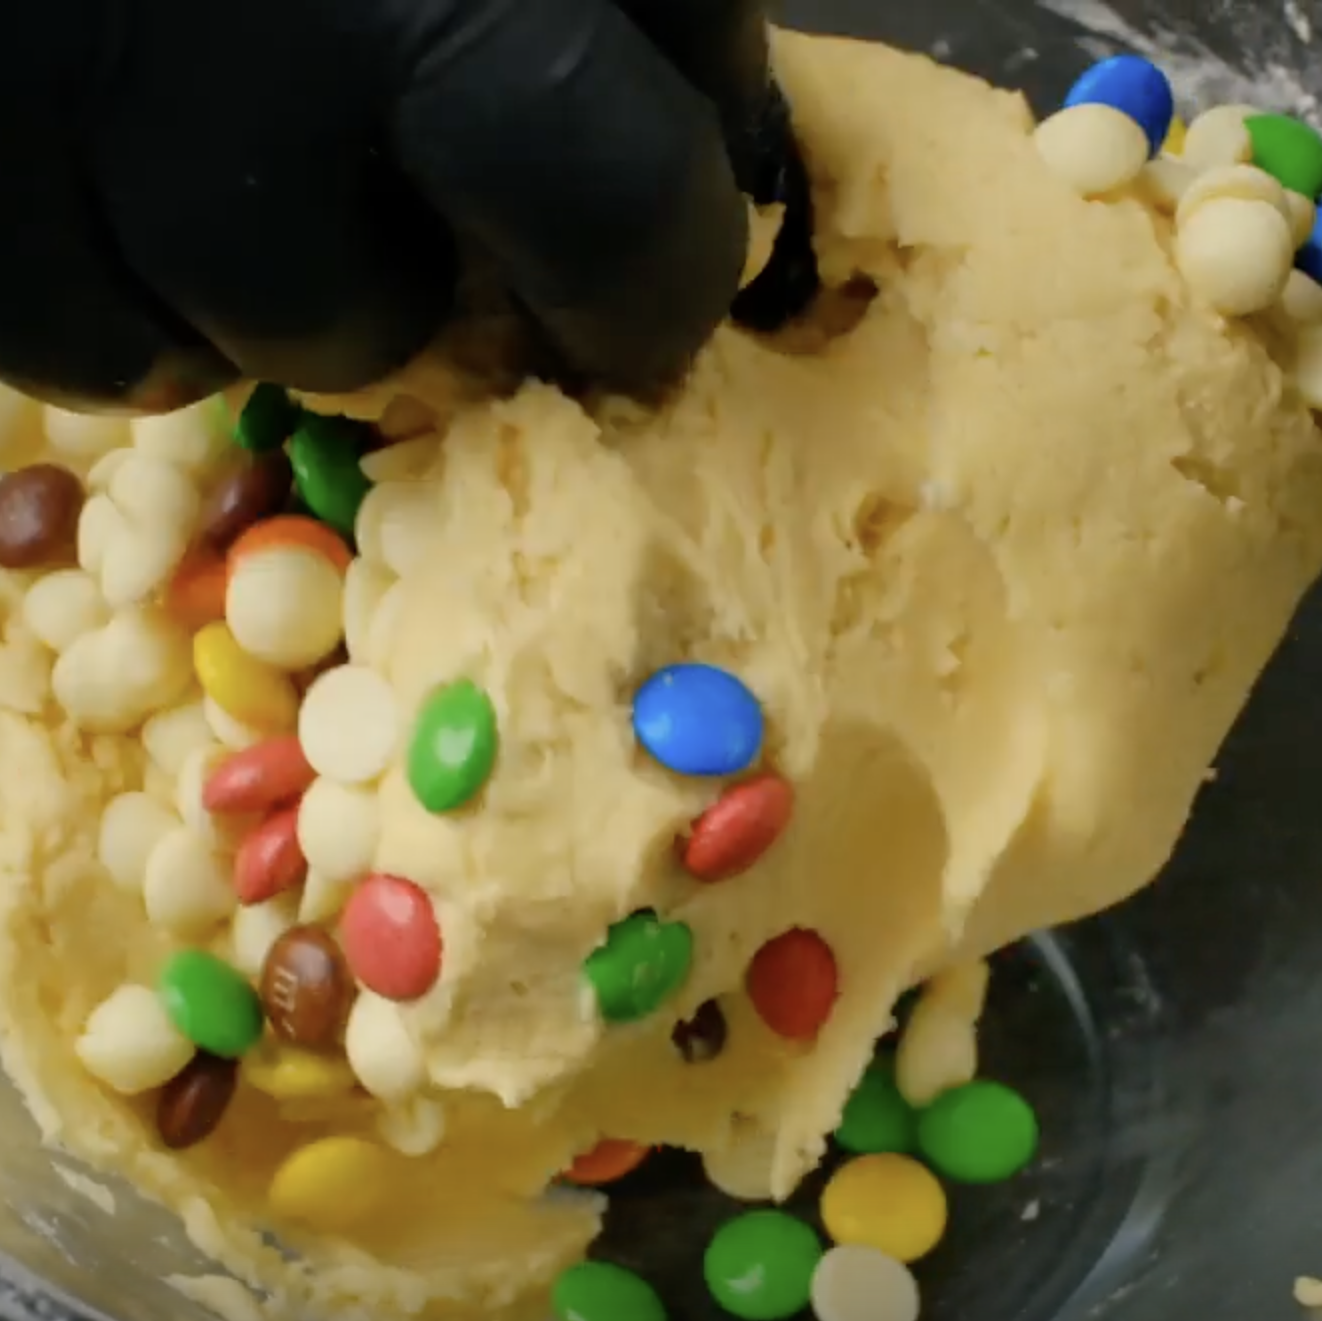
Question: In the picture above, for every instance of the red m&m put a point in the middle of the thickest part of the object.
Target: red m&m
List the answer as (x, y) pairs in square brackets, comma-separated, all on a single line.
[(793, 982), (391, 937), (258, 778), (737, 829), (270, 860)]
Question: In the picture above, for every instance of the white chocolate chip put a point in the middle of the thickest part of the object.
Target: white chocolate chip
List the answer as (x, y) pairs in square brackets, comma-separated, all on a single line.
[(1164, 181), (338, 829), (1093, 148), (83, 435), (1301, 300), (742, 1168), (138, 560), (62, 606), (381, 1053), (100, 474), (323, 897), (114, 678), (187, 887), (234, 734), (155, 493), (130, 1044), (413, 1127), (1302, 216), (365, 587), (938, 1048), (192, 437), (99, 522), (396, 524), (1246, 183), (285, 607), (349, 724), (1218, 137), (256, 927), (385, 624), (404, 461), (1235, 255), (171, 736), (132, 825)]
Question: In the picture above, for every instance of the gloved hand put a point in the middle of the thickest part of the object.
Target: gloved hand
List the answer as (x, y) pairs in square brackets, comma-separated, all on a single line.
[(197, 189)]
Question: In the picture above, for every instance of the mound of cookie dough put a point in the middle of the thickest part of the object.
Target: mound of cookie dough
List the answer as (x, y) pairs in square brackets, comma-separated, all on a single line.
[(546, 774)]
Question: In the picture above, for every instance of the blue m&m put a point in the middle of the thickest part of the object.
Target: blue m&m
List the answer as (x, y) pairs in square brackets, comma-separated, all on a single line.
[(698, 720), (1309, 257), (1134, 86)]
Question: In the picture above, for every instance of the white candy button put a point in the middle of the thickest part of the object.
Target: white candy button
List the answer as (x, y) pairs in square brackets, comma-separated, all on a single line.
[(855, 1283), (256, 927), (742, 1169), (404, 461), (1165, 181), (170, 737), (1218, 137), (349, 724), (1093, 148), (132, 825), (1235, 255), (338, 829), (380, 1050), (130, 1044), (1302, 215), (286, 607), (83, 435), (396, 524), (60, 607), (187, 887)]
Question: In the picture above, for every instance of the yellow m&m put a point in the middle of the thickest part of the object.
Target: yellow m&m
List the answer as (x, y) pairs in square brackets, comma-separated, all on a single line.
[(333, 1183), (886, 1202), (251, 691)]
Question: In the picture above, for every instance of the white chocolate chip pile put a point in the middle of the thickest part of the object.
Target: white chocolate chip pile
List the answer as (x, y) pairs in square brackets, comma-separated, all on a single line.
[(405, 828)]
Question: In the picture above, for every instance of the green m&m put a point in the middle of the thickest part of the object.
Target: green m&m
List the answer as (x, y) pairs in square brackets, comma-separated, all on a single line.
[(877, 1119), (643, 962), (598, 1291), (982, 1132), (453, 748), (328, 475), (267, 419), (211, 1003), (759, 1266), (1289, 150)]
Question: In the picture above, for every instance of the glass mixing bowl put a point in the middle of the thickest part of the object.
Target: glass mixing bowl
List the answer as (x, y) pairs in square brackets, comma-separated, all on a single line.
[(1173, 1048)]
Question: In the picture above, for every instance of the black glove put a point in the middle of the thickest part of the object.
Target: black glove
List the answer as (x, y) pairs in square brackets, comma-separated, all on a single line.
[(198, 189)]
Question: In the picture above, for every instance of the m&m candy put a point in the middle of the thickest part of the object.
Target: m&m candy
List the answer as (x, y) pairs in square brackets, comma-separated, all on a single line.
[(211, 1003), (1289, 150), (391, 937), (983, 1132), (267, 419), (642, 963), (793, 983), (325, 453), (698, 720), (1134, 86), (737, 829), (453, 748), (886, 1202), (599, 1291), (759, 1266), (876, 1117)]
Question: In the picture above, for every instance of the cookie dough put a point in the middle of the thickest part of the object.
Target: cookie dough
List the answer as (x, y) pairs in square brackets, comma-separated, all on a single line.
[(1000, 562)]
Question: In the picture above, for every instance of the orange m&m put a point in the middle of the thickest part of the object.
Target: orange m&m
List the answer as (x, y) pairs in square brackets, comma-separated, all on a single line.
[(609, 1160), (738, 828)]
